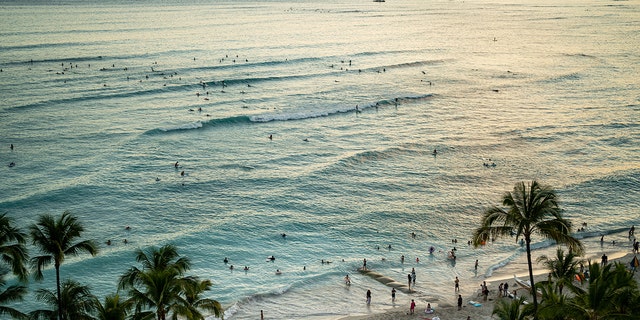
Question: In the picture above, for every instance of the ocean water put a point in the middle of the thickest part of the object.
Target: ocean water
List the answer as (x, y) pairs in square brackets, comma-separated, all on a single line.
[(100, 99)]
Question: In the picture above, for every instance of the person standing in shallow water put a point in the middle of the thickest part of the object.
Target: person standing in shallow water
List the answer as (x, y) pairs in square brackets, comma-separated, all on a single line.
[(457, 284), (459, 302), (393, 294), (368, 296)]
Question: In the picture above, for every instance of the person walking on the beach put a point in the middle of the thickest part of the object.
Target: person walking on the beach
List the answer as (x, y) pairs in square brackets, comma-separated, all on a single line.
[(459, 302), (457, 285), (393, 295), (409, 280), (368, 296), (505, 289), (413, 276), (412, 307)]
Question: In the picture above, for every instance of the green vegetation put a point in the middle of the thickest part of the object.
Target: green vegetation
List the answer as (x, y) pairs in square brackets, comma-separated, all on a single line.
[(610, 293), (605, 292), (158, 290), (530, 210)]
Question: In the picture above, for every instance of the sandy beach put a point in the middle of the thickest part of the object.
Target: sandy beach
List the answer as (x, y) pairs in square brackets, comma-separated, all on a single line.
[(449, 310)]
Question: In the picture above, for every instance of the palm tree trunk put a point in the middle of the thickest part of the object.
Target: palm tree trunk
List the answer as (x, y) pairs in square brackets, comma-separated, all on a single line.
[(58, 290), (533, 286)]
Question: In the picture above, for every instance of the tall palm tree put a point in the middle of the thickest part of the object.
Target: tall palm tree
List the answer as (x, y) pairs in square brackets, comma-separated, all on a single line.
[(77, 300), (113, 308), (531, 209), (158, 284), (55, 238), (13, 253), (194, 302), (562, 268)]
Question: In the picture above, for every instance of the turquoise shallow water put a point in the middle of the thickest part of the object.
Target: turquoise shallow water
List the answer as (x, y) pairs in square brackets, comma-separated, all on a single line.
[(101, 100)]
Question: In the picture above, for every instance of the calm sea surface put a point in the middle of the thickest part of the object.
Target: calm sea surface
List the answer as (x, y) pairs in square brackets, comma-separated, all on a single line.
[(100, 101)]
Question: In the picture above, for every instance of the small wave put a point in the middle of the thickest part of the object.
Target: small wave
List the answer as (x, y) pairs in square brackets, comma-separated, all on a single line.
[(201, 124), (338, 110), (502, 263), (268, 117)]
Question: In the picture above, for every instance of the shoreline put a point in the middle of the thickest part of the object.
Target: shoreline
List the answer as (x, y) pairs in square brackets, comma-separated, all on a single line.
[(448, 310)]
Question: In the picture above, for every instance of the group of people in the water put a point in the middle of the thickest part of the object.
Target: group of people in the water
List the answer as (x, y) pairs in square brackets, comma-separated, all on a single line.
[(489, 165), (125, 241)]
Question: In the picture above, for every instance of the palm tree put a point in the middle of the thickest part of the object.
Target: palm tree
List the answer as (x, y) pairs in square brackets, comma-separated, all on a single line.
[(610, 294), (553, 305), (193, 290), (13, 253), (158, 284), (12, 247), (512, 309), (563, 268), (55, 240), (77, 300), (531, 210), (113, 308), (11, 294)]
